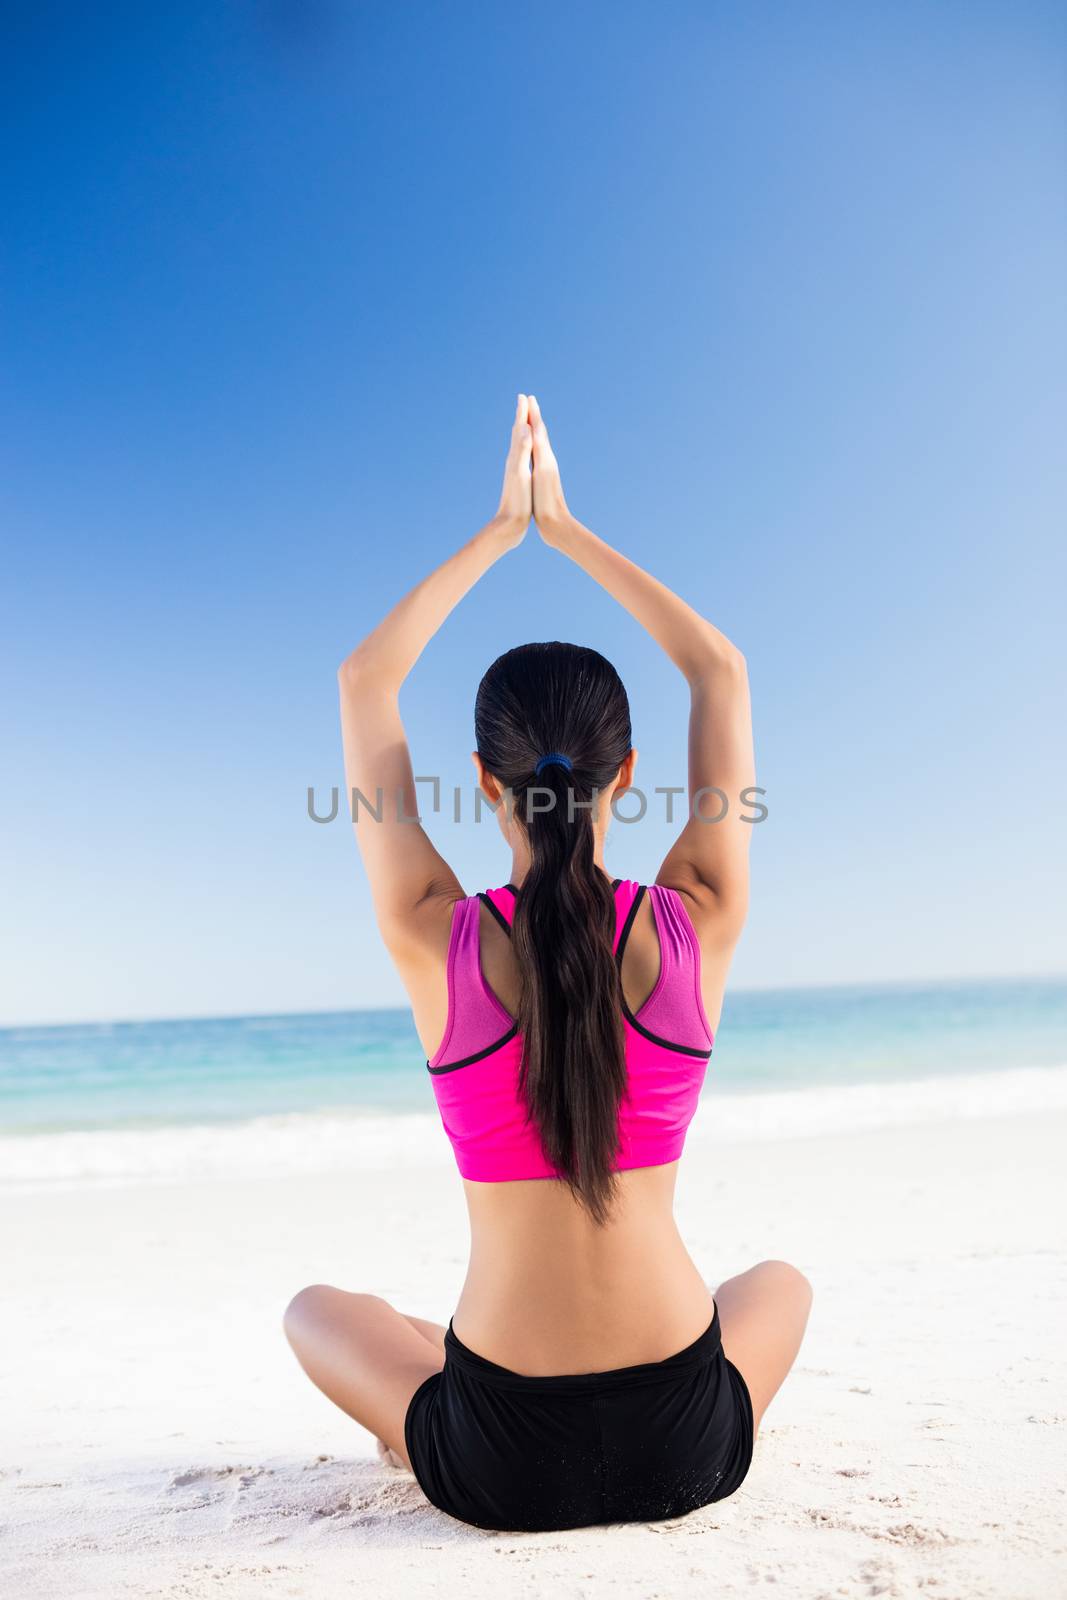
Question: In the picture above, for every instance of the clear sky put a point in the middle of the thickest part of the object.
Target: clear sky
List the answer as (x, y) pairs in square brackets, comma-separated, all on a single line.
[(789, 282)]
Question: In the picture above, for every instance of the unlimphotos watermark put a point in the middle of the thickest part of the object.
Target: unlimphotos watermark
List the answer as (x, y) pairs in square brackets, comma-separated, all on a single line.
[(709, 804)]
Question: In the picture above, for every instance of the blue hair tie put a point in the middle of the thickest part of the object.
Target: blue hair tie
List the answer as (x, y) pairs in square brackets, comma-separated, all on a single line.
[(553, 758)]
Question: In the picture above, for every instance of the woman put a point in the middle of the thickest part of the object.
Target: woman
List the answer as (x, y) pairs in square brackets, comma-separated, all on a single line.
[(588, 1374)]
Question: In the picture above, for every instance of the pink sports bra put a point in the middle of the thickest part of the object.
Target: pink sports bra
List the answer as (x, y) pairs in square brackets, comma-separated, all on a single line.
[(475, 1069)]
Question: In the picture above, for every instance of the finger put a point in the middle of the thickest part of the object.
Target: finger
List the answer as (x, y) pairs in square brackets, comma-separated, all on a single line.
[(519, 460), (521, 427), (522, 408), (541, 446), (537, 421)]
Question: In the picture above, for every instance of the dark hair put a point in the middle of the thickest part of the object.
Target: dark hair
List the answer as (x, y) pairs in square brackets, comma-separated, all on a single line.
[(535, 699)]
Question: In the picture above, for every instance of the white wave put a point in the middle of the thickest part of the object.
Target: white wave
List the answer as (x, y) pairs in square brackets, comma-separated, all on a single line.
[(846, 1108), (347, 1140), (269, 1146)]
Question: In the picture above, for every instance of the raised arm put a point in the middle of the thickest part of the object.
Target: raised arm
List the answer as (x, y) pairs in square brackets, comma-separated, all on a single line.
[(412, 886), (708, 862)]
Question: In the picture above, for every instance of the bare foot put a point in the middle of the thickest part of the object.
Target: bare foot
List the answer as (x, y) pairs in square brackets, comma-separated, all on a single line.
[(387, 1457)]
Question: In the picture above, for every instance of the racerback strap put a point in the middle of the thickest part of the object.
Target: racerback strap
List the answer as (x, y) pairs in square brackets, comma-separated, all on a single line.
[(501, 902)]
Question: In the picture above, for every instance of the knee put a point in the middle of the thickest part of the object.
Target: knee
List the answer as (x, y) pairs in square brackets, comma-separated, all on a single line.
[(788, 1280), (305, 1304), (310, 1303)]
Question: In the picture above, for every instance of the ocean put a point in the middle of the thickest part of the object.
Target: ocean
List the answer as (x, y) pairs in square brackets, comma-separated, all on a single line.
[(123, 1101)]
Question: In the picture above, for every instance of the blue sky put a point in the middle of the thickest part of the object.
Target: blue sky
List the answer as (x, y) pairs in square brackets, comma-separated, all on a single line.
[(789, 283)]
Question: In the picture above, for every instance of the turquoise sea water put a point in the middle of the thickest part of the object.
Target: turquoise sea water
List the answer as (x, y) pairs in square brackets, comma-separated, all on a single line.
[(130, 1075)]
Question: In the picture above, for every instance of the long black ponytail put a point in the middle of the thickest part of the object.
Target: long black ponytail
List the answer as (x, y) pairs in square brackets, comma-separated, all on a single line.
[(535, 699)]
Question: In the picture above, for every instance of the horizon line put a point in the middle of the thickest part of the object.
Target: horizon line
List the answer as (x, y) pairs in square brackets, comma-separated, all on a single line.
[(346, 1011)]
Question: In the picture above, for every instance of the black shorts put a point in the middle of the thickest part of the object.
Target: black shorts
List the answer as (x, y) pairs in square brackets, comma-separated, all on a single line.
[(502, 1450)]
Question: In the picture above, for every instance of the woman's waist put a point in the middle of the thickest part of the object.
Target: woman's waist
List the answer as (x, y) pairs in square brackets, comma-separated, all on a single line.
[(554, 1304), (601, 1370), (538, 1230)]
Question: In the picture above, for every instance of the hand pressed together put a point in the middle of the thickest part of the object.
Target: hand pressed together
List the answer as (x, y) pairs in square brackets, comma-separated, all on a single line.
[(532, 486)]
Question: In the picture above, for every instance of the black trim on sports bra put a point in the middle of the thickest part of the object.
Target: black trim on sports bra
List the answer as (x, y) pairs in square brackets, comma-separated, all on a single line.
[(453, 1066), (627, 925), (498, 914), (668, 1044)]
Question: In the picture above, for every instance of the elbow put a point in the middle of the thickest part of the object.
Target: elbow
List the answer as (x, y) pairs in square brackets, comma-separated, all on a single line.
[(360, 670), (348, 670), (722, 661)]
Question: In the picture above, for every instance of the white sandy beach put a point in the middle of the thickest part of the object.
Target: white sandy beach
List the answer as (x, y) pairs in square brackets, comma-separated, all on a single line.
[(159, 1439)]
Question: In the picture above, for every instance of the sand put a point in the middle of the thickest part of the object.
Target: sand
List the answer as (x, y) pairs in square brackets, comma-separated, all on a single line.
[(159, 1438)]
